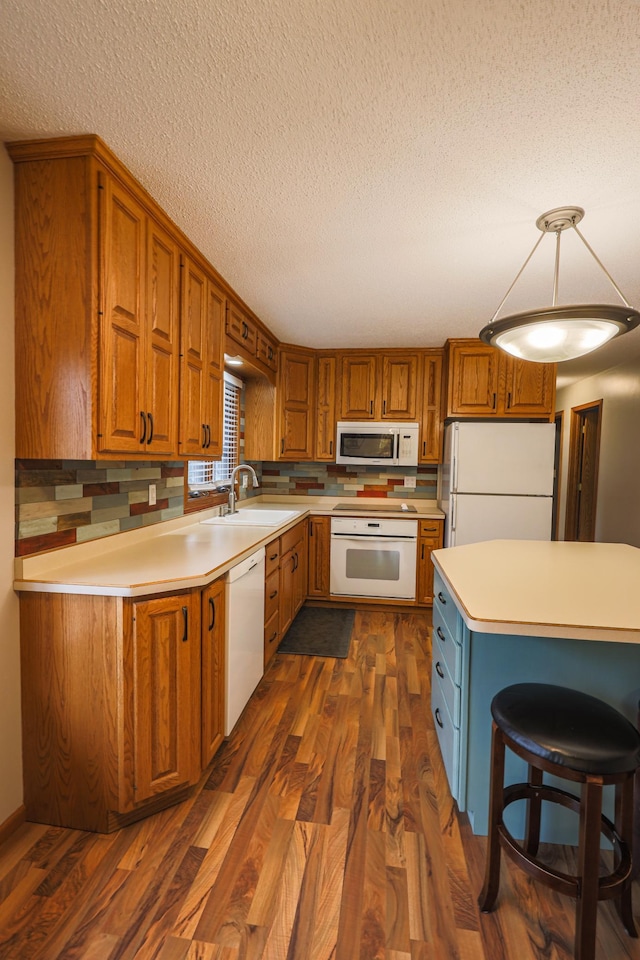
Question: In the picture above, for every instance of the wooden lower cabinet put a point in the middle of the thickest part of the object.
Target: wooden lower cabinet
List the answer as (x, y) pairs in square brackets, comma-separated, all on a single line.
[(213, 669), (285, 584), (319, 557), (122, 703), (430, 537)]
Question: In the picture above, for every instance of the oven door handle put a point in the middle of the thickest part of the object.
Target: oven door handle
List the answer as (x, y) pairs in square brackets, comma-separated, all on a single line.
[(367, 539)]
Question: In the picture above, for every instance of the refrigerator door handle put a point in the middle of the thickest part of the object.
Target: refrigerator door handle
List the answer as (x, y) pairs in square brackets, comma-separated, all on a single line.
[(452, 520)]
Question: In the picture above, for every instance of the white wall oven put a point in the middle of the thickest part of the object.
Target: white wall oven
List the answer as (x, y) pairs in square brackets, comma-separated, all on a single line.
[(373, 557)]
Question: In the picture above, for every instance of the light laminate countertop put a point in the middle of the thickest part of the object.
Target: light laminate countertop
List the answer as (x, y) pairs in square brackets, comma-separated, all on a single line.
[(176, 554), (585, 591)]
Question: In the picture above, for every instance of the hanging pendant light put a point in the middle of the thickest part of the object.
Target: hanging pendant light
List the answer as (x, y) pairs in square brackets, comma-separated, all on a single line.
[(555, 333)]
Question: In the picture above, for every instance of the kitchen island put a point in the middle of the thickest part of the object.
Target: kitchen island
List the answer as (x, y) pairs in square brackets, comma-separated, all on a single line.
[(509, 611)]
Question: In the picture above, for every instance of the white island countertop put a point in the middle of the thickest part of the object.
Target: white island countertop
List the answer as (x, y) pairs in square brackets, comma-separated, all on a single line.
[(178, 554), (587, 591)]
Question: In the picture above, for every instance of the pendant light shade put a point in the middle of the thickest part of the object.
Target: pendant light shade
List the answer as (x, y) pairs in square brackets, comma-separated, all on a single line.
[(555, 333)]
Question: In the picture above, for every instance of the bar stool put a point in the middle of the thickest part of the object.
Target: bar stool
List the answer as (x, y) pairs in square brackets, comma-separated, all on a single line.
[(579, 738)]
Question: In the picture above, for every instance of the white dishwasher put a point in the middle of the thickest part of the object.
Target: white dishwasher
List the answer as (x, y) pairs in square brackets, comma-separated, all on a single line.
[(244, 634)]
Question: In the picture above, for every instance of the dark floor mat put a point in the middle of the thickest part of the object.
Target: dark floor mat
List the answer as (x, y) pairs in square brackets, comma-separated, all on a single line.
[(319, 632)]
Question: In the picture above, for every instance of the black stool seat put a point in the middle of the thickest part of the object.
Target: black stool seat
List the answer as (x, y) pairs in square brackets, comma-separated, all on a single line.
[(578, 738), (567, 728)]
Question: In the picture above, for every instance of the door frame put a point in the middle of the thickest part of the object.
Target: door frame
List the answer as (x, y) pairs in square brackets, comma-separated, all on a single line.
[(575, 436)]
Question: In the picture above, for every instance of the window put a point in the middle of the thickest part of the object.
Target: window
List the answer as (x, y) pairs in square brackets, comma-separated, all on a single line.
[(208, 474)]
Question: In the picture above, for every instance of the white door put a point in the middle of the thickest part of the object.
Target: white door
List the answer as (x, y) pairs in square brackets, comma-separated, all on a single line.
[(474, 518)]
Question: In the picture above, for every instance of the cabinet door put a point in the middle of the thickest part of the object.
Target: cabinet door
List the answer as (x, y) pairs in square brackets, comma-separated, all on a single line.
[(473, 380), (326, 409), (296, 408), (241, 328), (214, 368), (319, 544), (530, 388), (431, 418), (266, 351), (430, 538), (164, 674), (163, 326), (213, 669), (193, 309), (300, 570), (399, 387), (358, 384), (122, 417)]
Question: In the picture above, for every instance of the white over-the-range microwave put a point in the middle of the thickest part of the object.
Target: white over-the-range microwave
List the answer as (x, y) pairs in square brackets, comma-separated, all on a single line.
[(378, 444)]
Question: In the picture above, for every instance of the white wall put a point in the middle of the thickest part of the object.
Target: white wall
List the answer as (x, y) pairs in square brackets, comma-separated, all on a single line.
[(618, 507), (10, 722)]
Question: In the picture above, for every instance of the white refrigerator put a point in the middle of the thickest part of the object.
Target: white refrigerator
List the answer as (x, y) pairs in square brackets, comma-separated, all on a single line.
[(496, 481)]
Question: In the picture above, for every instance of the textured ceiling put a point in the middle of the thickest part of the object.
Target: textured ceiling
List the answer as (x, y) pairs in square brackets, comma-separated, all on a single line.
[(363, 172)]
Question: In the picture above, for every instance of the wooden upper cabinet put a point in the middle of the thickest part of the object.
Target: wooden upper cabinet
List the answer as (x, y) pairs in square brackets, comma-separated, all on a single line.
[(358, 386), (241, 328), (529, 388), (399, 387), (266, 350), (378, 386), (203, 310), (473, 382), (296, 407), (486, 382), (138, 337), (431, 420), (326, 409)]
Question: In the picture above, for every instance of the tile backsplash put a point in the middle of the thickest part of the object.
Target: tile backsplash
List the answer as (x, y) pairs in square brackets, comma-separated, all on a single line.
[(60, 502), (338, 480)]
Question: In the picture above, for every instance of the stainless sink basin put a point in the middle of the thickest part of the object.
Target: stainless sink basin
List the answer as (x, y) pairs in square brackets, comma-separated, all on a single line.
[(255, 518)]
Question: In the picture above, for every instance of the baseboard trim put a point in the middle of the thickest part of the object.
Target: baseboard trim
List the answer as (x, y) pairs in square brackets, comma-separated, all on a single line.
[(12, 823)]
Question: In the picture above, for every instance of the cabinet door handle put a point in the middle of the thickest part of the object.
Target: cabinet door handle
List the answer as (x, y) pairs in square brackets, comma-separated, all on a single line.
[(509, 400), (441, 634), (424, 448), (441, 597), (438, 720), (439, 670), (150, 417), (185, 616), (272, 595), (208, 435), (282, 446), (384, 406), (273, 636), (144, 426), (371, 407), (422, 554), (204, 435), (212, 609), (493, 405), (330, 448)]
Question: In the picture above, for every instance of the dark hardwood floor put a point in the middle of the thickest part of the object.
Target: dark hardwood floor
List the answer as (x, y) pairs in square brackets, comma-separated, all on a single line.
[(324, 831)]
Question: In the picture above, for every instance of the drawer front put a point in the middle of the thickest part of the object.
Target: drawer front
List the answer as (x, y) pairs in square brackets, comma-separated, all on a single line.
[(271, 594), (450, 691), (448, 738), (290, 538), (272, 557), (431, 530), (443, 602), (449, 650)]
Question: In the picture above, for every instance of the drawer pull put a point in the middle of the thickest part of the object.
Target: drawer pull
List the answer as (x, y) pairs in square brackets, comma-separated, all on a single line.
[(439, 670), (441, 634), (438, 720), (441, 597)]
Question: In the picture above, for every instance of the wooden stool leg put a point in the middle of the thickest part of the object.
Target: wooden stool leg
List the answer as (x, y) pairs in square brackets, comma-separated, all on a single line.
[(624, 827), (534, 812), (588, 864), (489, 892)]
